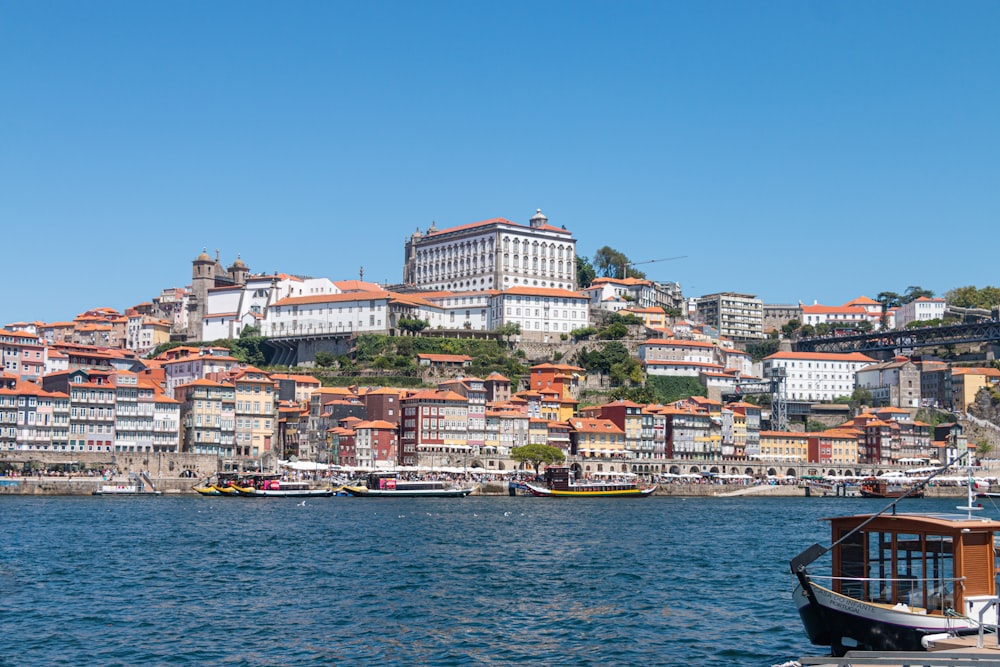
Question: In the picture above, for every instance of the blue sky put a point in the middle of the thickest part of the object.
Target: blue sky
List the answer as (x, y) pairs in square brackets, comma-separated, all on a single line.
[(794, 150)]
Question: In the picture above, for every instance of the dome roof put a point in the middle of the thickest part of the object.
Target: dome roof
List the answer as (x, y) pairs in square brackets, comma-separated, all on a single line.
[(238, 264), (203, 257), (538, 219)]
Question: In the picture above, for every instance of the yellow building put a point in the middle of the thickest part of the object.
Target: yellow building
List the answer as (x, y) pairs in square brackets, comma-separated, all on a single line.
[(784, 446), (966, 383), (653, 317), (256, 412)]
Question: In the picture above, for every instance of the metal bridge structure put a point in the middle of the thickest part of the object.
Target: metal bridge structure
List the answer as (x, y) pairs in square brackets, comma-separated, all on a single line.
[(884, 344), (773, 385)]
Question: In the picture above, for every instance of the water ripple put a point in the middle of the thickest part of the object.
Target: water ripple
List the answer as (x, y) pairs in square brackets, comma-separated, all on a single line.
[(480, 581)]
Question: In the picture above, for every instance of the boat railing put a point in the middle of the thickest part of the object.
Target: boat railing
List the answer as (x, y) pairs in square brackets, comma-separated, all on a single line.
[(995, 602)]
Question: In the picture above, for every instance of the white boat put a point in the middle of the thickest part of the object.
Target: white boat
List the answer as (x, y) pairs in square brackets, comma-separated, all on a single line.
[(388, 485), (123, 490)]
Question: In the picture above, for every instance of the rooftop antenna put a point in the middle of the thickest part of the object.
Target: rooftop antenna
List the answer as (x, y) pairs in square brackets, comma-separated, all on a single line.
[(361, 274)]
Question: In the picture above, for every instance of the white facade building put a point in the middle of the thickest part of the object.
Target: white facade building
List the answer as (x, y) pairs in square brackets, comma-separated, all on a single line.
[(494, 254), (816, 376), (542, 313), (461, 310), (920, 310), (617, 293), (231, 308)]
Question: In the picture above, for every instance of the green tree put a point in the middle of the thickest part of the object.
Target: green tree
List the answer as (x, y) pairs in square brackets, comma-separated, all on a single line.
[(626, 372), (667, 389), (508, 331), (603, 358), (970, 297), (249, 348), (914, 292), (412, 325), (535, 455), (585, 272), (984, 449), (609, 262), (860, 396), (613, 331), (641, 395), (325, 359), (888, 300), (790, 327), (759, 349)]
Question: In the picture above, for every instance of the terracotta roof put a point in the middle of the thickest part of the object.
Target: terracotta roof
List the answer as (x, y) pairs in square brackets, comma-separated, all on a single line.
[(543, 291), (821, 356)]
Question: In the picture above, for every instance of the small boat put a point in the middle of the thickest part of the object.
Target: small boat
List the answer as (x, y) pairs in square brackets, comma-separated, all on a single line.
[(559, 483), (139, 484), (899, 581), (123, 490), (881, 487), (823, 488), (388, 485)]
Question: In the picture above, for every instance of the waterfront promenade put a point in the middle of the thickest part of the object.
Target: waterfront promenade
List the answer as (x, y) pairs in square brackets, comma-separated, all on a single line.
[(86, 485)]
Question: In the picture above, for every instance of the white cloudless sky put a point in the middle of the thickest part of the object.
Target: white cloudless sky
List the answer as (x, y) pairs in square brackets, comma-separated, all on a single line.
[(796, 150)]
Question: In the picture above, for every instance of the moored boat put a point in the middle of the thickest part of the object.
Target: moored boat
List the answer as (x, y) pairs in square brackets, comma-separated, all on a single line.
[(898, 581), (559, 483), (878, 487), (123, 490), (389, 485), (262, 485)]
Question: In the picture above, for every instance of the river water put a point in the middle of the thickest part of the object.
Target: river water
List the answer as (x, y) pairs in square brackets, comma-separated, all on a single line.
[(473, 581)]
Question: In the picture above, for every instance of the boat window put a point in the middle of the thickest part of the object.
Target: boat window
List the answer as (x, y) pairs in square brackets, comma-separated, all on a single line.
[(880, 566), (940, 568), (911, 587), (852, 566)]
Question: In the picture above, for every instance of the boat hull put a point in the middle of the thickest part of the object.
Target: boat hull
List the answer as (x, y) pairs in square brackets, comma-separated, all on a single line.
[(292, 493), (845, 623), (636, 492)]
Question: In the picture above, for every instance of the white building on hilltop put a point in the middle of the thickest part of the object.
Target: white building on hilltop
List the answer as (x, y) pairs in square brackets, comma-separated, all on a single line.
[(920, 310), (494, 254), (540, 312), (816, 376)]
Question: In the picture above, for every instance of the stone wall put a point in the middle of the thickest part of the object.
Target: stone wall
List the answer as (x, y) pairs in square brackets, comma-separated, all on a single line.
[(159, 464)]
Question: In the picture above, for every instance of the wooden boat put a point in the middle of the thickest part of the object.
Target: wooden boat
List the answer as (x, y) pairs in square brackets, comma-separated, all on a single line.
[(875, 487), (388, 485), (899, 581), (559, 483)]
